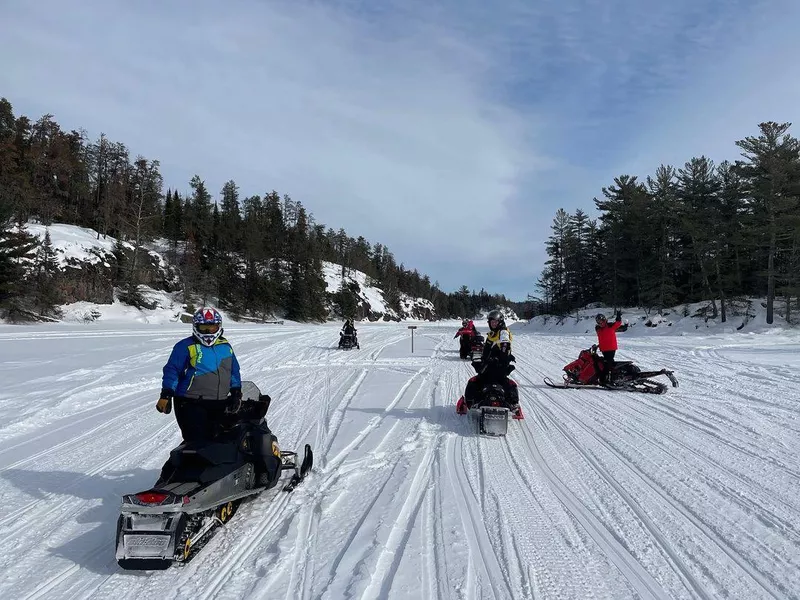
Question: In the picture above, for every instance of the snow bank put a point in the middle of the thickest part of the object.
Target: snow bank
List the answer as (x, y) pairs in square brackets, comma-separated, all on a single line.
[(167, 309), (746, 316)]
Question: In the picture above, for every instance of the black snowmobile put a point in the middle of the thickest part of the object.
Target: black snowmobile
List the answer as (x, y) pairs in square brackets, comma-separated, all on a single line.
[(348, 341), (476, 348), (585, 372), (493, 407), (202, 485)]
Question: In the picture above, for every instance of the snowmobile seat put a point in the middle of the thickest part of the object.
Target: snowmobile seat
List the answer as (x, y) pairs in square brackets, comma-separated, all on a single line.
[(202, 463)]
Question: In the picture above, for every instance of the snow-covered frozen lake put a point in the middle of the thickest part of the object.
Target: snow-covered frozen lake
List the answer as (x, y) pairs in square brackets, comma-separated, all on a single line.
[(693, 494)]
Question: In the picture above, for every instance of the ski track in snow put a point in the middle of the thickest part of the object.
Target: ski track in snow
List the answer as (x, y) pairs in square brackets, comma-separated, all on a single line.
[(691, 494)]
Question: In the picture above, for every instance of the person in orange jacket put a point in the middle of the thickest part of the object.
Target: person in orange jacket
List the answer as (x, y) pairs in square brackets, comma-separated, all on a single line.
[(607, 342)]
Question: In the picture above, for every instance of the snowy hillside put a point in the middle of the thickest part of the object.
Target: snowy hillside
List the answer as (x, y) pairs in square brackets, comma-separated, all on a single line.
[(747, 316), (86, 261), (596, 494), (372, 302), (76, 246)]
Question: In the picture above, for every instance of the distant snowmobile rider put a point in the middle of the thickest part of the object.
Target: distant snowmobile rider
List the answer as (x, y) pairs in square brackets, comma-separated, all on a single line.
[(467, 327), (348, 329), (607, 342), (202, 378)]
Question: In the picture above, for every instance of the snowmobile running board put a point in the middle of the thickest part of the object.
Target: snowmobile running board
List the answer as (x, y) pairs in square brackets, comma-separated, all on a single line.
[(644, 385)]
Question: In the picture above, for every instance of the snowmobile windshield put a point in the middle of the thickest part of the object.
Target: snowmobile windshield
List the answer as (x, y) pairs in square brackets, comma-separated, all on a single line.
[(208, 328)]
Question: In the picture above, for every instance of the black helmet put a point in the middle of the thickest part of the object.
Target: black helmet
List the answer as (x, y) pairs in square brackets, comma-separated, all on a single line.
[(600, 318), (496, 315)]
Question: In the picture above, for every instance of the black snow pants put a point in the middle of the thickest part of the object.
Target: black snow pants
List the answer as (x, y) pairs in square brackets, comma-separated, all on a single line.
[(199, 420), (607, 374)]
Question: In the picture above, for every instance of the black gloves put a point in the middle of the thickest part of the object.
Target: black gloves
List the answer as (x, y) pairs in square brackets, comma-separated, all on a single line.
[(619, 315), (164, 404), (234, 401)]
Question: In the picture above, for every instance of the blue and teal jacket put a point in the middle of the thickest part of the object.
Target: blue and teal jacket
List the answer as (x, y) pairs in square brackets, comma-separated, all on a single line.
[(202, 372)]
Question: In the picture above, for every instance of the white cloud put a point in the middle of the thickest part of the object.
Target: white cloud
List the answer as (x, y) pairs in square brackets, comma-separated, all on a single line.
[(396, 138), (450, 130)]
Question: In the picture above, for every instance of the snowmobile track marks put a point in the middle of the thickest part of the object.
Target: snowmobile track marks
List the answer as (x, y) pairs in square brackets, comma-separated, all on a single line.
[(333, 419), (641, 580), (681, 569), (392, 551), (527, 507), (232, 560), (482, 555)]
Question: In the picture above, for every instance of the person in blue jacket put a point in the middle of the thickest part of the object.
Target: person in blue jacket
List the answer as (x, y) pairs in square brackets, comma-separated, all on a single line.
[(202, 378)]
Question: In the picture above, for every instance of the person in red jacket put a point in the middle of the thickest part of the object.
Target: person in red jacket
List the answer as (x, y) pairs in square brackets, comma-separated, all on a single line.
[(607, 342)]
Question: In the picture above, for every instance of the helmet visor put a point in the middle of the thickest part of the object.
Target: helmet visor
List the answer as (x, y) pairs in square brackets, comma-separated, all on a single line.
[(208, 328)]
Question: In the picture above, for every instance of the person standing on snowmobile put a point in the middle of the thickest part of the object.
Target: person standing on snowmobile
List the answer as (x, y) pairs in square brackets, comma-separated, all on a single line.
[(607, 342), (348, 329), (202, 378)]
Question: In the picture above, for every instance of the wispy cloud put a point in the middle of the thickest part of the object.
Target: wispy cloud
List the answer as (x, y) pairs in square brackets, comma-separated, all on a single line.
[(450, 130)]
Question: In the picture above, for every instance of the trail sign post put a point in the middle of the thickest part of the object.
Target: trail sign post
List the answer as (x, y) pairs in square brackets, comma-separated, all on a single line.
[(412, 328)]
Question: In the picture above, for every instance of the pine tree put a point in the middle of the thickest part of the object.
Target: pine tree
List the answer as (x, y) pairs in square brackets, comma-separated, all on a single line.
[(698, 189), (199, 218), (772, 169), (661, 288), (46, 278), (17, 253), (621, 208), (230, 233)]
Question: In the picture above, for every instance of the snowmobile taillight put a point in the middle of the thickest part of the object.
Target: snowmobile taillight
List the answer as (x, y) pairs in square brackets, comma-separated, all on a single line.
[(495, 403), (151, 497), (186, 499)]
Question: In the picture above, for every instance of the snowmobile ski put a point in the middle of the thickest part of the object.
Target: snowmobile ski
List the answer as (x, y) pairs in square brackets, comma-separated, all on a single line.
[(299, 471), (645, 386)]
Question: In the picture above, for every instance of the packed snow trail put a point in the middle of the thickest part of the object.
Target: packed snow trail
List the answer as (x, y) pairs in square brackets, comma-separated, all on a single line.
[(692, 494)]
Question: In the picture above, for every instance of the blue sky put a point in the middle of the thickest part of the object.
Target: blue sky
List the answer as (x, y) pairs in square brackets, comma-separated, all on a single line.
[(450, 130)]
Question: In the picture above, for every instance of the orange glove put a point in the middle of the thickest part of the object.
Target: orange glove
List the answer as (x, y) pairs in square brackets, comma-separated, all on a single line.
[(164, 404)]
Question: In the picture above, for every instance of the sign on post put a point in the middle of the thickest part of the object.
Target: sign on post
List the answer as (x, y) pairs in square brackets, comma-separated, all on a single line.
[(412, 328)]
